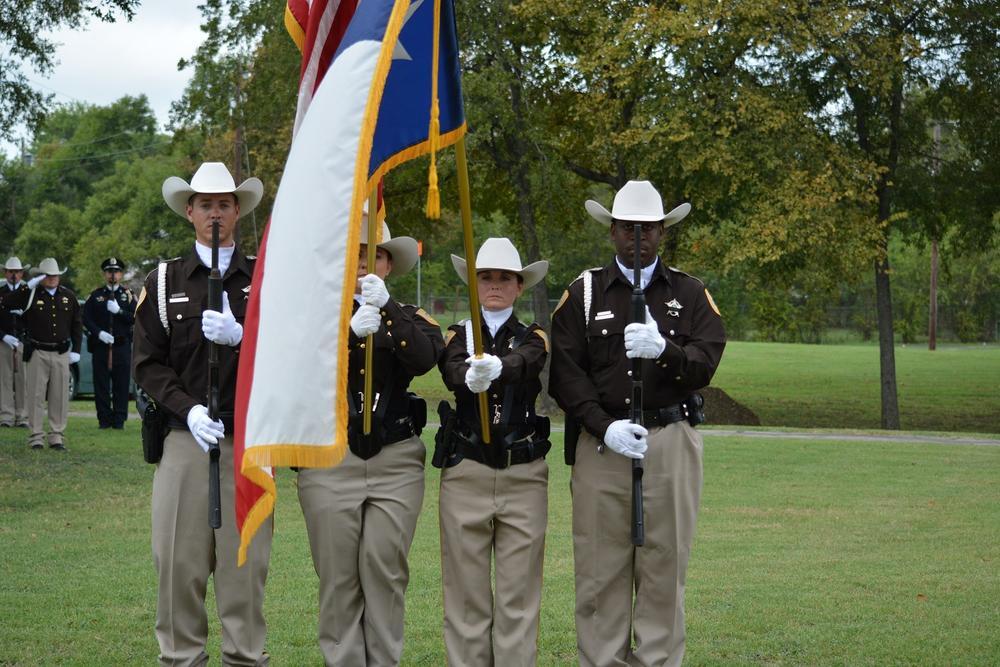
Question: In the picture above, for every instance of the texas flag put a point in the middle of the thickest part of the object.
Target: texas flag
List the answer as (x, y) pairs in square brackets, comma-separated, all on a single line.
[(392, 92)]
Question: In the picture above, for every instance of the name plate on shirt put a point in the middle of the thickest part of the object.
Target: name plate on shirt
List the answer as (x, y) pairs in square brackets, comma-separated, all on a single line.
[(179, 299), (604, 315)]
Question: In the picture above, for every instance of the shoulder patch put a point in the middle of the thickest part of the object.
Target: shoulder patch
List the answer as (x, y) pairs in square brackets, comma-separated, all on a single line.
[(544, 336), (711, 302), (424, 314), (451, 334), (142, 297), (562, 300)]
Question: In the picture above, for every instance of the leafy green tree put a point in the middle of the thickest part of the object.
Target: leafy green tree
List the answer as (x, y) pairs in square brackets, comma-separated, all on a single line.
[(50, 231), (23, 24), (79, 144)]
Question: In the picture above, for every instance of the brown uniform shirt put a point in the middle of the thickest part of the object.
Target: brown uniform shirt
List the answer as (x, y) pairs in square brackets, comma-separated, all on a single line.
[(50, 319), (173, 368), (521, 368), (407, 344), (590, 374)]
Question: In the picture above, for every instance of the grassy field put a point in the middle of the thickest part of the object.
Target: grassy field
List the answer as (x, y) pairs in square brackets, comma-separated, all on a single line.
[(955, 388), (807, 553)]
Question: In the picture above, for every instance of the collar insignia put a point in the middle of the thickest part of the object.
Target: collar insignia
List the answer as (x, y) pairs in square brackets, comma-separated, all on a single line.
[(673, 303)]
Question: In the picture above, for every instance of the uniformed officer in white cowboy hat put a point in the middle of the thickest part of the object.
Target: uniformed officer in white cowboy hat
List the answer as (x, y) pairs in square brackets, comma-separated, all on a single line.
[(361, 514), (493, 502), (170, 362), (53, 336), (13, 409), (630, 599)]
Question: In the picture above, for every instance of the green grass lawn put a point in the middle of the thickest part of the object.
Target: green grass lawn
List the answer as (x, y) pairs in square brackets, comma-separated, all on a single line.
[(954, 388), (807, 553)]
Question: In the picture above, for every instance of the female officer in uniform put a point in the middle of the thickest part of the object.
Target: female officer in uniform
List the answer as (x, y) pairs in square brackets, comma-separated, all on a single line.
[(494, 497), (361, 514)]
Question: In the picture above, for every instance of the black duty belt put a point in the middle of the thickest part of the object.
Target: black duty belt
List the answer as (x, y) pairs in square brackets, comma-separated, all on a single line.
[(495, 455), (49, 347), (670, 414)]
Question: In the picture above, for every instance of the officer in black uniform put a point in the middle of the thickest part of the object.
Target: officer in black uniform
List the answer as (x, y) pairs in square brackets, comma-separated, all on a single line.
[(108, 317)]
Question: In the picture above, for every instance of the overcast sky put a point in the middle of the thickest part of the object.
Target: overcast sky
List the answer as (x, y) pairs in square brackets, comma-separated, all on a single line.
[(109, 60)]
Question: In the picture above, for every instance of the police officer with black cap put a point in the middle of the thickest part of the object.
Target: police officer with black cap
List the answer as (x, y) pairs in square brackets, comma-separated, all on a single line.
[(108, 317)]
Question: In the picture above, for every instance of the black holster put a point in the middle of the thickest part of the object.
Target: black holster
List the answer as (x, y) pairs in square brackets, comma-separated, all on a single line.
[(154, 426), (443, 445), (29, 349), (695, 404)]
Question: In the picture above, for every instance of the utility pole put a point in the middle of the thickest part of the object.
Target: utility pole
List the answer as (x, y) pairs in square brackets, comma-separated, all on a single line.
[(932, 318)]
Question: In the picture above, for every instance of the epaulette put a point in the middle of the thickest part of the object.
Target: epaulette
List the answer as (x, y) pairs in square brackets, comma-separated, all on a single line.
[(684, 273), (586, 271), (165, 261)]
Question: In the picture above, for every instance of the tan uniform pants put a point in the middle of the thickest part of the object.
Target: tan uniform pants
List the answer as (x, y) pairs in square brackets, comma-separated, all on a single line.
[(361, 516), (13, 407), (608, 568), (48, 380), (497, 515), (186, 551)]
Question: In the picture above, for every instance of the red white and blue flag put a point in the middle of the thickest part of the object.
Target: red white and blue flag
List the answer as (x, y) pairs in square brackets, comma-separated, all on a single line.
[(391, 92)]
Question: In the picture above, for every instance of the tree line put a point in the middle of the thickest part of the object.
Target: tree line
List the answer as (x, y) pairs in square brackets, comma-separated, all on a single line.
[(829, 148)]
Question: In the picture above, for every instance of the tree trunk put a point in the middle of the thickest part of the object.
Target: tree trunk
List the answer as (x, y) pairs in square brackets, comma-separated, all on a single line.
[(886, 345)]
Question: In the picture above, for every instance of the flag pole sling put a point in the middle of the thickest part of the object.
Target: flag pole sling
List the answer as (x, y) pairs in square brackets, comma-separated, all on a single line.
[(372, 242), (465, 203)]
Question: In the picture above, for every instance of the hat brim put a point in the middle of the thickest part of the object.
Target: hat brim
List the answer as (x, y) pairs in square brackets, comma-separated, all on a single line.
[(177, 192), (404, 254), (531, 275), (24, 267), (38, 272), (603, 215)]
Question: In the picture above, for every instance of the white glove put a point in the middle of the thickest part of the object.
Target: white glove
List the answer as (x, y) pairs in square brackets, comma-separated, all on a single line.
[(205, 431), (482, 372), (33, 283), (222, 328), (113, 306), (626, 438), (366, 320), (373, 291), (106, 338), (644, 340), (74, 357), (12, 341)]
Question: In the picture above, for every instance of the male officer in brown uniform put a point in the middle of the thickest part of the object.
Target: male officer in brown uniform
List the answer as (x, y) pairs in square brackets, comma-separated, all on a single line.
[(51, 316), (361, 515), (630, 600), (13, 407), (108, 316), (173, 329)]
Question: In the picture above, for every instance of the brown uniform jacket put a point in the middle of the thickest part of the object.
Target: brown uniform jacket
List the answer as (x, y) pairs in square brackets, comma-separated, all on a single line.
[(521, 368), (408, 344), (50, 320), (173, 368), (589, 377)]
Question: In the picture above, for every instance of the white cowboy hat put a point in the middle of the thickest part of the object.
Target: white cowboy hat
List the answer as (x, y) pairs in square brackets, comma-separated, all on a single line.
[(211, 178), (402, 248), (48, 266), (501, 255), (637, 201), (14, 264)]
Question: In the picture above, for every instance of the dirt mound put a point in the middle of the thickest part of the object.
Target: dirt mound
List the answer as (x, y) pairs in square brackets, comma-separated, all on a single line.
[(721, 409)]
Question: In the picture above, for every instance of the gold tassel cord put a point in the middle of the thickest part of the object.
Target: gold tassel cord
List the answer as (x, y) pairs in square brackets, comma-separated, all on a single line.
[(433, 210)]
